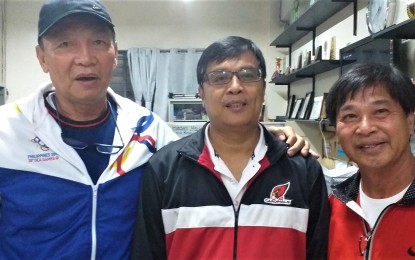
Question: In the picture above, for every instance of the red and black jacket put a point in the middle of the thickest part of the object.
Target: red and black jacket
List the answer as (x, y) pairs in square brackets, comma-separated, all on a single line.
[(350, 237), (185, 211)]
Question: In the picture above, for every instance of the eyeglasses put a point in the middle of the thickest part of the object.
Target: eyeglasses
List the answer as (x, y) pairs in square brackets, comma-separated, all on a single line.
[(222, 77), (101, 148)]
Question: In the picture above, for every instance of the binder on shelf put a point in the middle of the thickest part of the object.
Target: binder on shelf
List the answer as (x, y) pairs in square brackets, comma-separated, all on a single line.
[(296, 111), (290, 106), (316, 107), (306, 106)]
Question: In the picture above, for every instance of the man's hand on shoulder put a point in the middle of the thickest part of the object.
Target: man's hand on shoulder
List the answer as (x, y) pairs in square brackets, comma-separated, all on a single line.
[(295, 142)]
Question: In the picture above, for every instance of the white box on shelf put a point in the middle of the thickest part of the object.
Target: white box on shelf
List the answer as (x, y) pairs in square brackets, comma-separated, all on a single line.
[(186, 110)]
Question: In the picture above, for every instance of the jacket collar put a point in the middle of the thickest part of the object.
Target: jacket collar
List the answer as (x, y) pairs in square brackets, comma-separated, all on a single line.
[(194, 145), (348, 190)]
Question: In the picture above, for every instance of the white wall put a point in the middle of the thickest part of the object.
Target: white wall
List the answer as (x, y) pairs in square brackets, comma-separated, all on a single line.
[(162, 24), (178, 24)]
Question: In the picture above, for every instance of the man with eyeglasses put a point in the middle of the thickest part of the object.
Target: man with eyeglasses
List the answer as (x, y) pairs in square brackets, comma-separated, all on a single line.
[(373, 212), (73, 152), (230, 191)]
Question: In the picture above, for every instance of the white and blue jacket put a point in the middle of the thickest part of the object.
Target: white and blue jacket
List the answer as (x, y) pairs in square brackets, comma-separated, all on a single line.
[(49, 206)]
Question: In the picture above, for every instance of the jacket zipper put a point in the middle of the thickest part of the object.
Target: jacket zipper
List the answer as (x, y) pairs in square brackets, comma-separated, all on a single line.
[(370, 235), (93, 222), (236, 213), (235, 233), (367, 238)]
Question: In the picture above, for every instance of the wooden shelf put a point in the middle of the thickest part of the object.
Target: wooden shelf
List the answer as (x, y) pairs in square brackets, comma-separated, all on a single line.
[(327, 126), (316, 121), (308, 71)]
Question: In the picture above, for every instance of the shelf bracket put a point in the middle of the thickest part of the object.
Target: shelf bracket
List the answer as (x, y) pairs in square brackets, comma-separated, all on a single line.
[(354, 13), (313, 30), (313, 87), (354, 17)]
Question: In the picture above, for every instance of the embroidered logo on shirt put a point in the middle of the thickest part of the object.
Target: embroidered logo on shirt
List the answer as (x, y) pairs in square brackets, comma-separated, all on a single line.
[(41, 157), (277, 196), (40, 143), (411, 252)]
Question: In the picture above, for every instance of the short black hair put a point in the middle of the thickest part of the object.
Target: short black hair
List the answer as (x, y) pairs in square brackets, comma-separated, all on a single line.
[(364, 75), (228, 48)]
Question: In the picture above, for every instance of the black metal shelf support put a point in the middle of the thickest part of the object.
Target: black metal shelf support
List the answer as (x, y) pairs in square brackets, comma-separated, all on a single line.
[(313, 17)]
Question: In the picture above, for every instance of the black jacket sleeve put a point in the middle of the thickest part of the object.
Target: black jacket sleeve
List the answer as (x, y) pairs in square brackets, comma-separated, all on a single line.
[(149, 235), (317, 230)]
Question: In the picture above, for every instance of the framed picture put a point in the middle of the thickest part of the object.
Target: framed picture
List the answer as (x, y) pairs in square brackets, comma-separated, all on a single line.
[(306, 106), (290, 106), (296, 109), (316, 108)]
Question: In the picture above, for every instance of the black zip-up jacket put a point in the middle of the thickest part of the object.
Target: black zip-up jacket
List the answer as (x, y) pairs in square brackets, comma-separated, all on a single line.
[(186, 212)]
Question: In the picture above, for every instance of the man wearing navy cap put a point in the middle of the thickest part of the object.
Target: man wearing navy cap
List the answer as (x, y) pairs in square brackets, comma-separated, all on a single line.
[(73, 152)]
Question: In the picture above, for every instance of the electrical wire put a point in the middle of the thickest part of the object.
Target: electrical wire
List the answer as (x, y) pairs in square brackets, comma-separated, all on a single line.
[(320, 127)]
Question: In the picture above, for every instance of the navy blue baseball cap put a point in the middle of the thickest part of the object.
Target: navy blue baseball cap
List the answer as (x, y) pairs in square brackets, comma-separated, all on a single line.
[(55, 10)]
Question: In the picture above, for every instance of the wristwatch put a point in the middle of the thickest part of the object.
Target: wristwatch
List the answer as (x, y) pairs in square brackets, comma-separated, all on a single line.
[(380, 14)]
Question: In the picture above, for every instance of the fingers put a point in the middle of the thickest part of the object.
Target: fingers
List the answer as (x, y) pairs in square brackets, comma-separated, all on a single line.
[(312, 153), (297, 144), (281, 132)]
